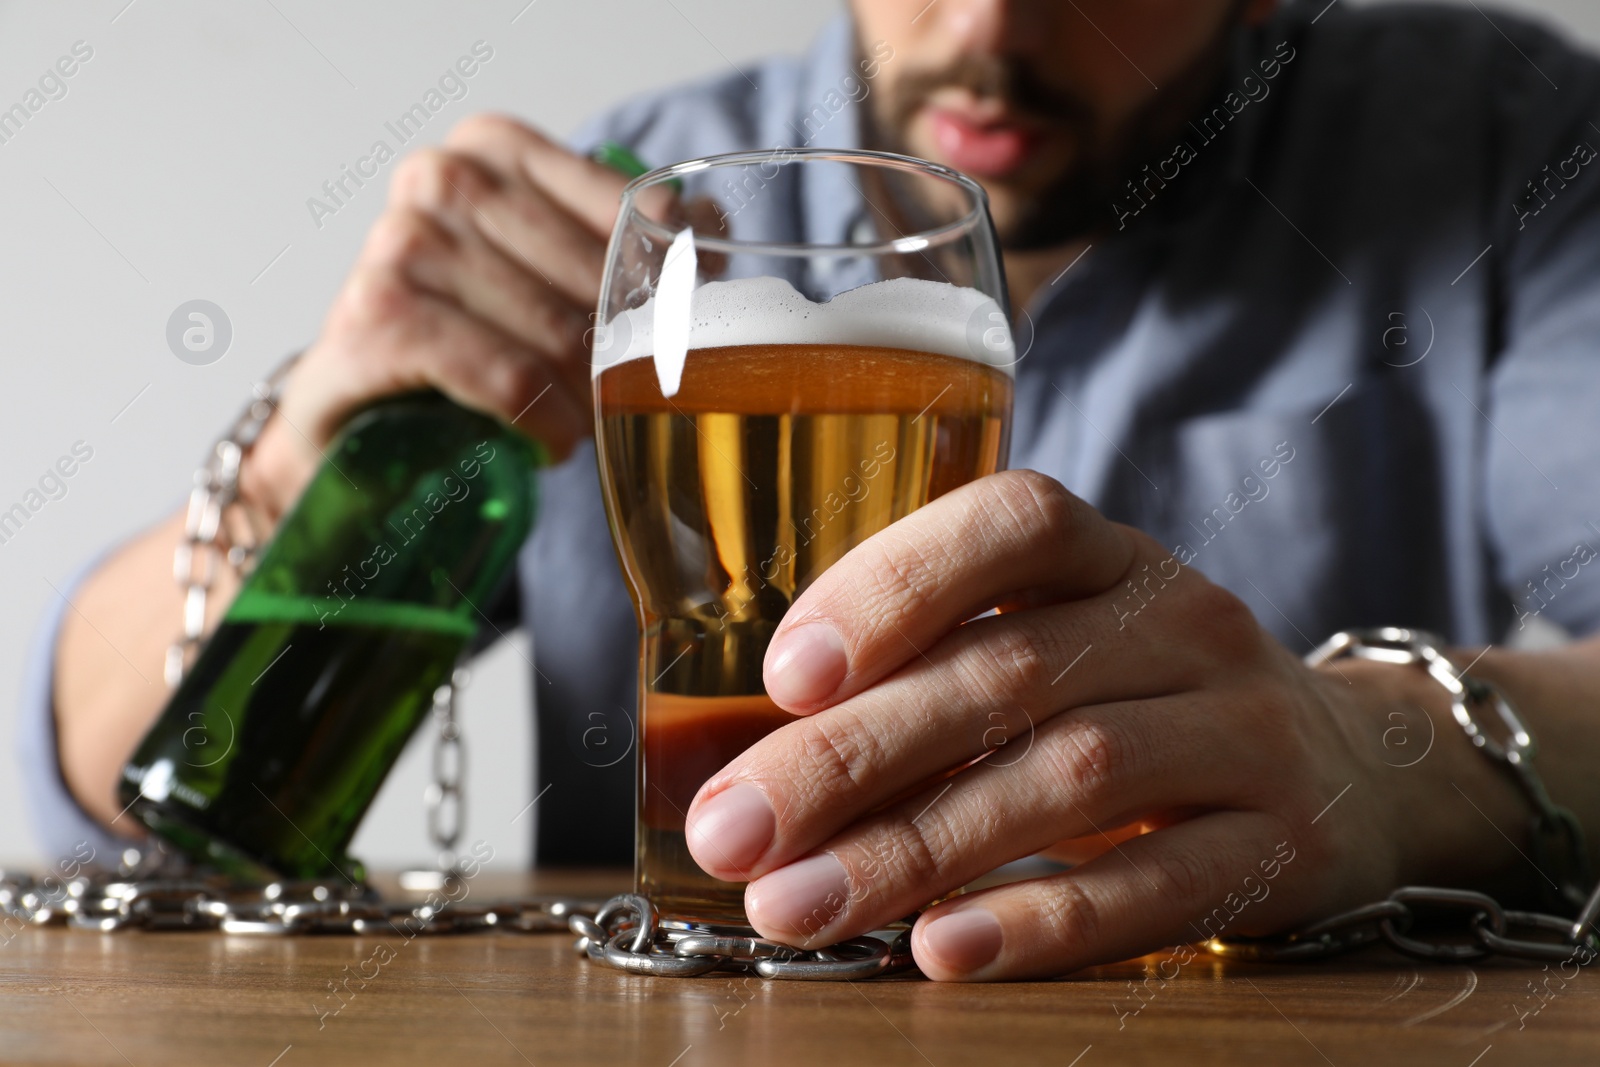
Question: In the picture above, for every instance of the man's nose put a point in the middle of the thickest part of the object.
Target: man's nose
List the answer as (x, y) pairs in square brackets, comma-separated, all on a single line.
[(976, 25), (992, 27)]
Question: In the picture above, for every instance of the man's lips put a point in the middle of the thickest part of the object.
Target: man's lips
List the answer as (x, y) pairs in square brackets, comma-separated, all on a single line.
[(985, 150)]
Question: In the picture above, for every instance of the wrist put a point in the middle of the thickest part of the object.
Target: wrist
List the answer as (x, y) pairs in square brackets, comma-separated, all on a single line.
[(280, 461), (273, 473), (1452, 816)]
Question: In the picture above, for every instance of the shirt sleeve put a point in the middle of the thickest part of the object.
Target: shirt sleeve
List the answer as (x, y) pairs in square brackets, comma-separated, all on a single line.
[(1542, 404), (60, 826)]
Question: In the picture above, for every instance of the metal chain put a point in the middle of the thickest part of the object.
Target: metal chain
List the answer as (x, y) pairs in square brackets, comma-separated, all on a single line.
[(198, 559), (155, 892), (444, 798), (1485, 928), (135, 896), (627, 934)]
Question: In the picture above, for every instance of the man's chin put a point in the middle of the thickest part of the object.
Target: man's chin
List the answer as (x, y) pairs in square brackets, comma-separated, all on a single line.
[(1050, 220), (1028, 217)]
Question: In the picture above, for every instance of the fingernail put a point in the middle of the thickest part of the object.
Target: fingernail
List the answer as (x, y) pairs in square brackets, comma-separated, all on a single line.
[(800, 899), (732, 830), (965, 940), (808, 663)]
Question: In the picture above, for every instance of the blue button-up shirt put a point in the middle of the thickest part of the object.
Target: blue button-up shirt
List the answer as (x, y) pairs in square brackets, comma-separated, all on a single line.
[(1339, 348)]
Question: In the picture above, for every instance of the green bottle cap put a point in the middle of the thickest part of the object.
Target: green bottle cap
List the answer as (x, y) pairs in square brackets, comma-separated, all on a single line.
[(622, 160)]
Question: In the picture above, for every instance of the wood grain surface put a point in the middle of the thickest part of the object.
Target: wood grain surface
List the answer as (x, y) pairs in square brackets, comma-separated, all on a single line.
[(138, 998)]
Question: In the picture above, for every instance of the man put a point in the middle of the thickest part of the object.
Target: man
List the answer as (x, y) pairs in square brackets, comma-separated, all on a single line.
[(1314, 296)]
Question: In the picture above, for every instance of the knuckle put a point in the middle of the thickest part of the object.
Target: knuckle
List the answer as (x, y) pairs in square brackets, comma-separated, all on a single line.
[(1087, 758), (1035, 503), (1008, 663), (1180, 875), (907, 854), (1071, 917), (837, 755), (1224, 618), (901, 578), (374, 299), (433, 178), (403, 237), (520, 382)]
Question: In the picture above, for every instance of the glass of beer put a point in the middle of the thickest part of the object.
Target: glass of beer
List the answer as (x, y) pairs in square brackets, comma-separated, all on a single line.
[(795, 349)]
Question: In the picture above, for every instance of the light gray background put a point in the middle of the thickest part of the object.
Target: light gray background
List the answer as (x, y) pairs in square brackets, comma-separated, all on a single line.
[(178, 167)]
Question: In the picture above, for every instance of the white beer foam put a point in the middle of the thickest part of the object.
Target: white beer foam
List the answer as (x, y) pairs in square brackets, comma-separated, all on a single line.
[(909, 313)]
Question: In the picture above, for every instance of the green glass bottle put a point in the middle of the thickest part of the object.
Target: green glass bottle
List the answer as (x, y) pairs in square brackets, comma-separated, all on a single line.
[(274, 744)]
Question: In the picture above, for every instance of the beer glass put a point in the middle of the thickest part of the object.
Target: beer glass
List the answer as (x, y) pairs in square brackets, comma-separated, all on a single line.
[(823, 349)]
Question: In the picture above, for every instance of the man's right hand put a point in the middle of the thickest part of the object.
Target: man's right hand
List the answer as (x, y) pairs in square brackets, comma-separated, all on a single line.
[(479, 280)]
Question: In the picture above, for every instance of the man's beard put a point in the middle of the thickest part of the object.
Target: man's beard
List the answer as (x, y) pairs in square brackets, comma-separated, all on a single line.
[(1078, 201)]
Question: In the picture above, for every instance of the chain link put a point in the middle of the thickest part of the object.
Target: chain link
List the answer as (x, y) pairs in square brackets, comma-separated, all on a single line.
[(446, 802), (198, 559), (627, 933), (444, 799), (1486, 929)]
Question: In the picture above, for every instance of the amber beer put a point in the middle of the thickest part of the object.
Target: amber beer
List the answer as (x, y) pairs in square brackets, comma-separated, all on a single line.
[(726, 501)]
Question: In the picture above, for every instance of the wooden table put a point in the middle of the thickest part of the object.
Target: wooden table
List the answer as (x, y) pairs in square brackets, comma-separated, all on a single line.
[(69, 996)]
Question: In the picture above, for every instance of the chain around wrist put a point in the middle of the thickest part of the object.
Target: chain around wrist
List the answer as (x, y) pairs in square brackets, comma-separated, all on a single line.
[(1495, 728), (1489, 929), (208, 541)]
